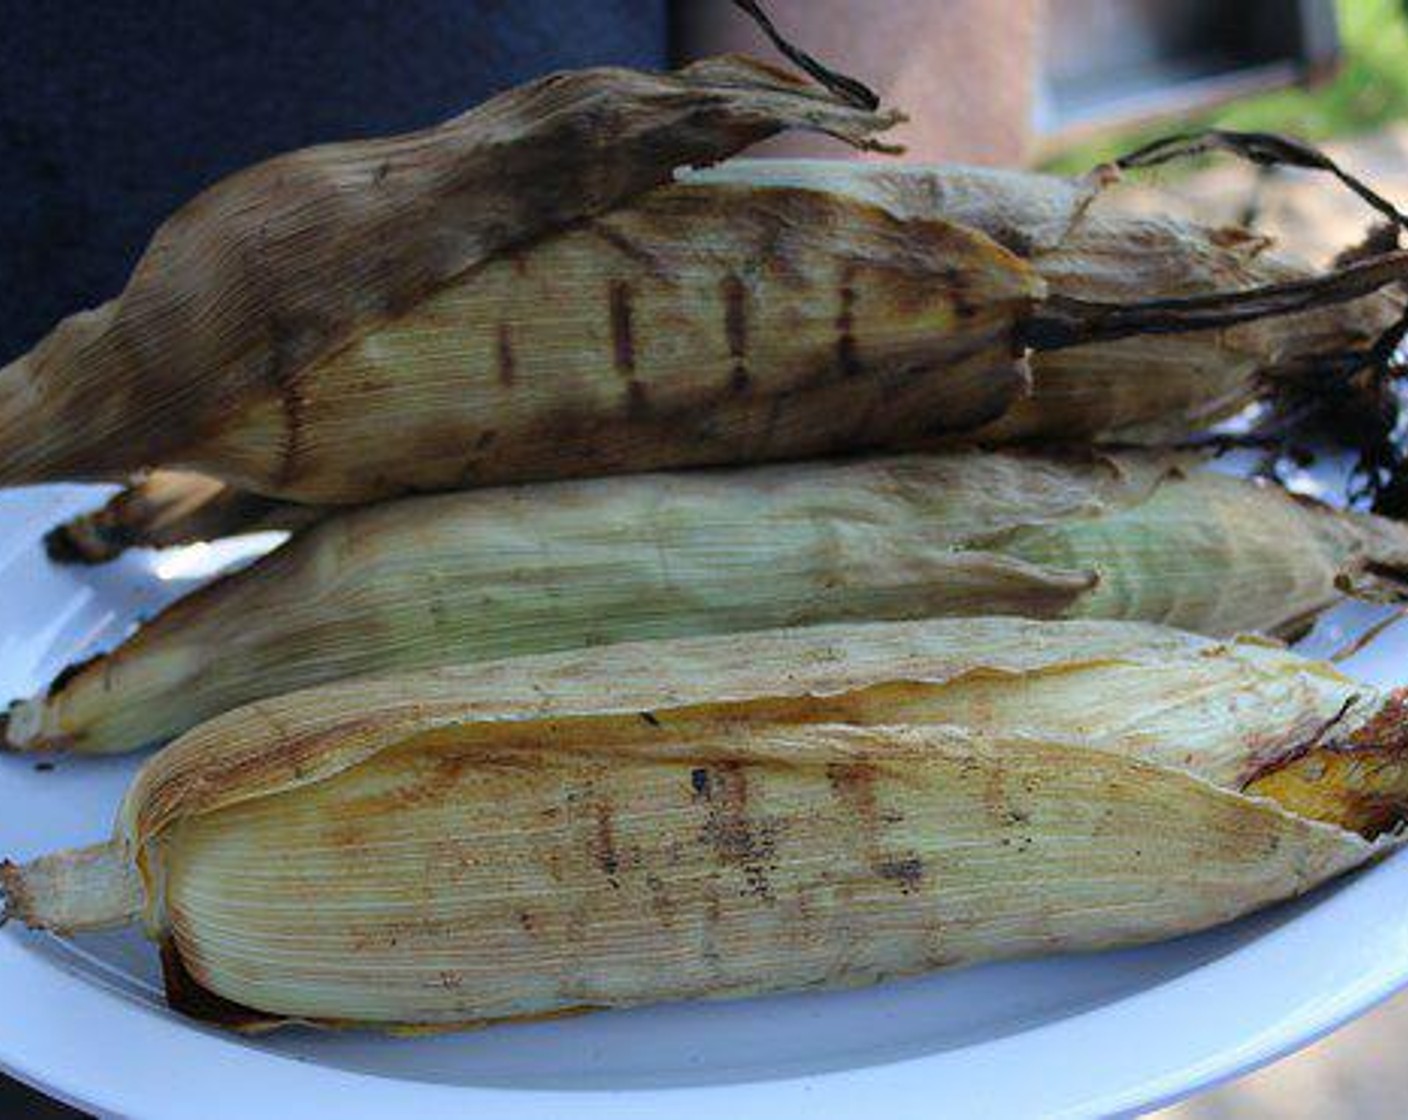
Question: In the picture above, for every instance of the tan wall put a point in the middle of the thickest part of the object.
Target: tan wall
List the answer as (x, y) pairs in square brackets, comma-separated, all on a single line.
[(963, 69)]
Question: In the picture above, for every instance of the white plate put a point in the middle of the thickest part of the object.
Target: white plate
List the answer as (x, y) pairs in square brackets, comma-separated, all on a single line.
[(1092, 1035)]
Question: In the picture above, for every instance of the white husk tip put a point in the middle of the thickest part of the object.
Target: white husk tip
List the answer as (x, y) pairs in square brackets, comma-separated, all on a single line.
[(20, 726), (73, 891)]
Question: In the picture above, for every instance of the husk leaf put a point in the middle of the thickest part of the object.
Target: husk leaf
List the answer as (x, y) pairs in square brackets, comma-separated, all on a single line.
[(283, 264), (490, 574), (720, 817), (165, 509)]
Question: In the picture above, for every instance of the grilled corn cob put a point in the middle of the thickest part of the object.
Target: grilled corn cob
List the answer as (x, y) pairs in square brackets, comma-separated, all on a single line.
[(698, 326), (723, 817), (266, 275), (498, 573), (283, 322)]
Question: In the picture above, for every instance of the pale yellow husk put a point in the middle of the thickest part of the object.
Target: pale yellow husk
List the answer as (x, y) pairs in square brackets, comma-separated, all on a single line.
[(716, 817), (490, 574)]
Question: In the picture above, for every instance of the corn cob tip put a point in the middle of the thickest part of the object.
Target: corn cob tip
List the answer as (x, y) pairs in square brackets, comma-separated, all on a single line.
[(11, 893)]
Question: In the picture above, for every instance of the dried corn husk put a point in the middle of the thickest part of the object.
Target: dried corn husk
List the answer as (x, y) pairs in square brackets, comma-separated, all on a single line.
[(717, 817), (498, 573), (168, 508), (705, 323), (1148, 389), (698, 326), (271, 271)]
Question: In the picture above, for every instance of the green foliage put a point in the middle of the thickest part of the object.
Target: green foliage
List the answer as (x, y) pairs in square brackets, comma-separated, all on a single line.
[(1370, 90)]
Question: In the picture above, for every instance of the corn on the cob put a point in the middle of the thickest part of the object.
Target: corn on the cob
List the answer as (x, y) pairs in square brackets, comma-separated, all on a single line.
[(271, 271), (1146, 389), (698, 326), (286, 320), (488, 574), (721, 817), (168, 508)]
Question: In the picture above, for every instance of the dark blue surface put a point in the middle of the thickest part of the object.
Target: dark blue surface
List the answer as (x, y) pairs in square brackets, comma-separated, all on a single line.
[(113, 114)]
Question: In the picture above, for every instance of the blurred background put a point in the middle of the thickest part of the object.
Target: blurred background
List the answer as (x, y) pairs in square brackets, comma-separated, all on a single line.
[(113, 114)]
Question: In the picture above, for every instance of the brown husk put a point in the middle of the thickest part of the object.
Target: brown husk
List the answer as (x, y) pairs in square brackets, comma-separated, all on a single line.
[(282, 264)]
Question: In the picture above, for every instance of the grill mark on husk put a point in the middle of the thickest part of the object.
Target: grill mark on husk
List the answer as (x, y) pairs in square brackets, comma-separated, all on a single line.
[(847, 359), (507, 363), (735, 296), (623, 347)]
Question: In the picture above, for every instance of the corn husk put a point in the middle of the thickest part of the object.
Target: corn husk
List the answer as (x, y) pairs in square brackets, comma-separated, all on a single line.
[(697, 326), (285, 321), (489, 574), (1148, 389), (716, 817), (272, 271)]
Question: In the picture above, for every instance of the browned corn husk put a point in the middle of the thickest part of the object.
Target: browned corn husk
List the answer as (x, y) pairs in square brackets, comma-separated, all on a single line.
[(700, 325), (706, 323), (498, 573), (697, 326), (718, 817), (278, 267), (169, 508), (1147, 389)]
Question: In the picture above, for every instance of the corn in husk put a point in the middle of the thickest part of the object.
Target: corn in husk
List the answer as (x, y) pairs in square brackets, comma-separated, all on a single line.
[(498, 573), (728, 816), (268, 274), (1148, 389), (285, 321), (697, 326)]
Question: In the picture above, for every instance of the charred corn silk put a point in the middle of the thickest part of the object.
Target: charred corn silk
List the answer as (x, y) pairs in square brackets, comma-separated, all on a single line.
[(725, 816), (489, 574)]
